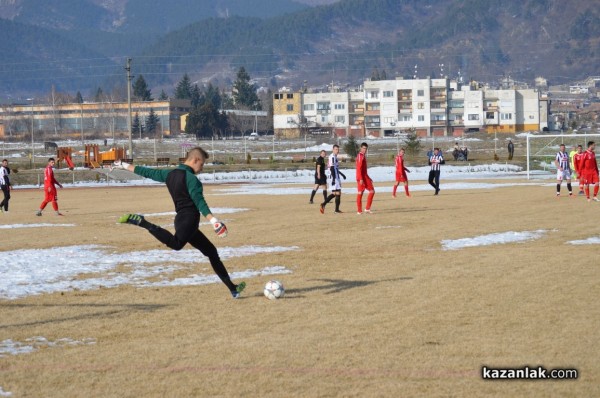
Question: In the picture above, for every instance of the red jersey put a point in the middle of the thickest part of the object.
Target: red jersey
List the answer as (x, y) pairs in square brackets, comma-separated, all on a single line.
[(49, 180), (361, 167), (588, 162), (577, 158), (400, 169)]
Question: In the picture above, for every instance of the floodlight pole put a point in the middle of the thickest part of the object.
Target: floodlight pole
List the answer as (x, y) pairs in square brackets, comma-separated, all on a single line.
[(129, 77)]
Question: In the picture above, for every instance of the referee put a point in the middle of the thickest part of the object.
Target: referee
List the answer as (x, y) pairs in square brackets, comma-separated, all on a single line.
[(435, 160)]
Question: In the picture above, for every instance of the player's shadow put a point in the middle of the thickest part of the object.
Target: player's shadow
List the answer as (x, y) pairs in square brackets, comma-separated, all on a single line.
[(332, 286), (107, 310)]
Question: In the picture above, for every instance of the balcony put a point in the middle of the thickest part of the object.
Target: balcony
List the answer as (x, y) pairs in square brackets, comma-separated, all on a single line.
[(373, 125), (438, 122), (372, 112)]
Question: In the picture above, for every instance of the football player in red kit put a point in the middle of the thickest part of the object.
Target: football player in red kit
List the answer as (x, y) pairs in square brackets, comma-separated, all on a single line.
[(50, 189), (577, 167), (401, 173), (589, 170), (363, 180)]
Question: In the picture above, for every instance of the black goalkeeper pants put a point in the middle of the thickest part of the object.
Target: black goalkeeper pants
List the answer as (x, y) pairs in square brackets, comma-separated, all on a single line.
[(186, 231)]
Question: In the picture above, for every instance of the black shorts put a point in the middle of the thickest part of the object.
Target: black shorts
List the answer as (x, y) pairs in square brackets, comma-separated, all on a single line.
[(321, 181)]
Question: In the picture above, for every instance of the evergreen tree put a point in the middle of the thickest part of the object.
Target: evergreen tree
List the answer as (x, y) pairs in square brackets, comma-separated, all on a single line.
[(78, 98), (99, 97), (383, 75), (136, 126), (351, 147), (213, 96), (152, 122), (375, 75), (184, 88), (197, 98), (244, 93), (412, 143), (205, 121), (163, 96), (226, 101), (141, 90)]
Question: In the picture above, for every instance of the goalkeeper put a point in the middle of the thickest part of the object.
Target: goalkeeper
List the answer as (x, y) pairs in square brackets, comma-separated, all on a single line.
[(186, 190)]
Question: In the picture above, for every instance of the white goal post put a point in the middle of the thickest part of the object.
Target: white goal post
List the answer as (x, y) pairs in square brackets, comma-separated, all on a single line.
[(542, 148)]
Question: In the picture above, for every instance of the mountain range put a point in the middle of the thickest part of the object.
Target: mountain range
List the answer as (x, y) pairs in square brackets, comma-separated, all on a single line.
[(83, 44)]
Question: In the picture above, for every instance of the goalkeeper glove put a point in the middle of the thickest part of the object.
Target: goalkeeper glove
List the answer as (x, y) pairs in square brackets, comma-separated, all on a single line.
[(219, 227), (119, 164)]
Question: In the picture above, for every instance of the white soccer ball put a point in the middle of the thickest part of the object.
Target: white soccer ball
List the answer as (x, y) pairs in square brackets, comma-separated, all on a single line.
[(274, 290)]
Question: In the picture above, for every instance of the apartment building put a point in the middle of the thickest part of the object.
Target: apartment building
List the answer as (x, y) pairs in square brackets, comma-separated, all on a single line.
[(92, 119), (430, 107)]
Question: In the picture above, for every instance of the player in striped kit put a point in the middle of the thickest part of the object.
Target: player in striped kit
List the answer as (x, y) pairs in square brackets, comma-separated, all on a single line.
[(401, 173), (563, 170), (589, 170), (336, 183), (435, 160)]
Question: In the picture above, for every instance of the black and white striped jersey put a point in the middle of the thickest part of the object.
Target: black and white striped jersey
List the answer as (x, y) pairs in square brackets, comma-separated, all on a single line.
[(562, 158), (435, 161)]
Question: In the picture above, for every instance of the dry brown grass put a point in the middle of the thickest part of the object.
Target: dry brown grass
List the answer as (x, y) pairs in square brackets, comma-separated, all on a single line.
[(374, 307)]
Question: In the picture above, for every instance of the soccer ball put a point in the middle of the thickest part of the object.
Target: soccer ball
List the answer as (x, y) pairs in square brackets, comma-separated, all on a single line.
[(274, 290)]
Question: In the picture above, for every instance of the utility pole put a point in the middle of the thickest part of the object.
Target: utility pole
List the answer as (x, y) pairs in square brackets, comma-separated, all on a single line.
[(129, 77)]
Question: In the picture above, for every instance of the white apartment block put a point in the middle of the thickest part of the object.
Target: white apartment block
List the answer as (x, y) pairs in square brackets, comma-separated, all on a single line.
[(430, 107)]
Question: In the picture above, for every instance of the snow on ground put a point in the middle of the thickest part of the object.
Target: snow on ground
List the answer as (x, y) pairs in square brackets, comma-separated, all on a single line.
[(10, 347), (594, 240), (492, 239), (29, 272), (39, 225)]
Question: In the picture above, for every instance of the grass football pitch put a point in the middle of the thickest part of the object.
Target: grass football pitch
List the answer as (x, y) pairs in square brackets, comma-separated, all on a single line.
[(374, 306)]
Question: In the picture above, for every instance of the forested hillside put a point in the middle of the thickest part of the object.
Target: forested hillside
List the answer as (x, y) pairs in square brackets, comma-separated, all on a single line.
[(286, 43)]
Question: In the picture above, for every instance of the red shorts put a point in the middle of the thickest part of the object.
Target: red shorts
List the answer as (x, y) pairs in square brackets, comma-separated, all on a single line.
[(368, 185), (590, 177), (50, 194), (401, 176)]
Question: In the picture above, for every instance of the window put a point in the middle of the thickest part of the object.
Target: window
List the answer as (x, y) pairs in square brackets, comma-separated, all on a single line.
[(339, 106), (389, 120), (340, 119), (372, 107), (323, 106), (438, 117), (290, 96), (420, 93), (388, 94), (420, 105), (309, 107), (289, 107), (506, 116), (489, 115), (324, 119), (290, 120), (473, 116), (421, 118), (277, 96), (373, 94), (406, 118), (457, 104), (473, 104)]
